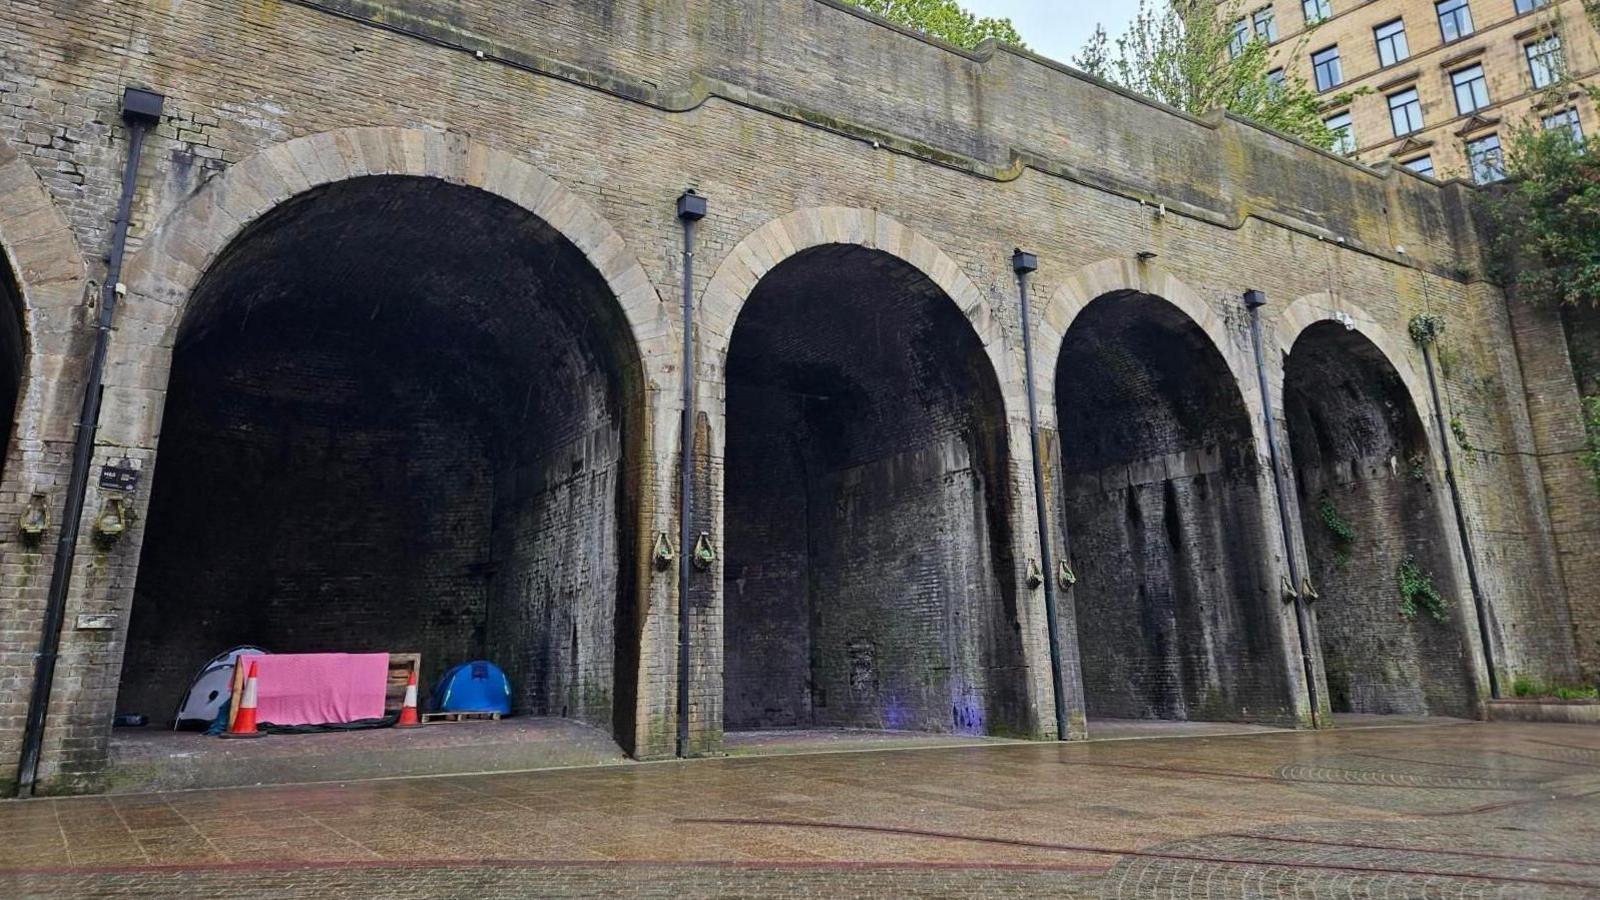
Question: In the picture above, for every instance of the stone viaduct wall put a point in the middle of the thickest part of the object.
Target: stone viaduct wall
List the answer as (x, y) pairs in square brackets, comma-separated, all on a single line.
[(480, 195)]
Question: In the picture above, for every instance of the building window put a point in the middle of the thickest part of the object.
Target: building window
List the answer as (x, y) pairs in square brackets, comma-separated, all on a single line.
[(1422, 165), (1325, 65), (1545, 61), (1455, 19), (1240, 38), (1405, 112), (1527, 6), (1565, 120), (1487, 160), (1265, 24), (1276, 80), (1316, 10), (1344, 135), (1391, 38), (1472, 91)]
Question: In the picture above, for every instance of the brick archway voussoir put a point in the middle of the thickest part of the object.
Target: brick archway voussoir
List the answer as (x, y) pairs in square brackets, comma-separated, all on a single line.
[(1117, 275), (183, 246), (1313, 309), (761, 251)]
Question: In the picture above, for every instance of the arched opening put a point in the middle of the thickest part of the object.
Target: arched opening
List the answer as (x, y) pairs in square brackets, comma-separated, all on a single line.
[(1368, 506), (1163, 517), (868, 580), (401, 417), (13, 351)]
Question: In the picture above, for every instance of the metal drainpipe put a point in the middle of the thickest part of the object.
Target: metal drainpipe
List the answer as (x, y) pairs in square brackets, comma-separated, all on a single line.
[(1461, 521), (140, 110), (1024, 264), (1253, 301), (691, 209)]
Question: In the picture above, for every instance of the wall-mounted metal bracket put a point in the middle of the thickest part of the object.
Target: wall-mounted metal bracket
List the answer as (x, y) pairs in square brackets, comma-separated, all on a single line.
[(1065, 577), (1034, 577), (704, 553), (1286, 586), (663, 553), (35, 519), (112, 520), (1308, 590)]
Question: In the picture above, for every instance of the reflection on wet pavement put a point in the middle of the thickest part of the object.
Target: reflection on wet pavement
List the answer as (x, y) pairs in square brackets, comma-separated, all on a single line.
[(1461, 810)]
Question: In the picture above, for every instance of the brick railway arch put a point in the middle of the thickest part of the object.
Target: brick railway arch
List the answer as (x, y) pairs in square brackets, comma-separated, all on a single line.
[(44, 282), (43, 279), (1164, 503), (868, 578), (401, 399), (1369, 488)]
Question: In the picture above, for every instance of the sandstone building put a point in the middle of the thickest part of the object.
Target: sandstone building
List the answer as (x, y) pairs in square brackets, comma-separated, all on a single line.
[(1435, 85), (397, 363)]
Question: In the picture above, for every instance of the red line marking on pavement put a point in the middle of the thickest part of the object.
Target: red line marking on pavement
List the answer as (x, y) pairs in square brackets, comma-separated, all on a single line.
[(1427, 762), (1568, 746), (498, 863), (1149, 854), (1275, 779), (1475, 854), (1170, 770), (1559, 762), (1509, 804)]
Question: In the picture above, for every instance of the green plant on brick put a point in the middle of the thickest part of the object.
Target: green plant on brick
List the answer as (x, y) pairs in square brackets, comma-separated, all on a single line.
[(1458, 429), (1417, 590), (1419, 467), (1591, 427), (1344, 534), (1425, 328)]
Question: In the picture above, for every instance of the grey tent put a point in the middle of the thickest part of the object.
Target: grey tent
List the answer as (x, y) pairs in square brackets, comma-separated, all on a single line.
[(210, 689)]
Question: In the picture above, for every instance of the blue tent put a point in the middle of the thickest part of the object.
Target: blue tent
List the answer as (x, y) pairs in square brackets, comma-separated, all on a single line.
[(477, 686)]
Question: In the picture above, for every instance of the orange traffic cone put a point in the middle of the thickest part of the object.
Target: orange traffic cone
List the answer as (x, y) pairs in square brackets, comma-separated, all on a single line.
[(244, 721), (408, 710)]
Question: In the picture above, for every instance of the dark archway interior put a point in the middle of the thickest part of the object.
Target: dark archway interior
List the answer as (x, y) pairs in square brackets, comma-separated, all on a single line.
[(397, 421), (868, 578), (1362, 467), (12, 353), (1163, 520)]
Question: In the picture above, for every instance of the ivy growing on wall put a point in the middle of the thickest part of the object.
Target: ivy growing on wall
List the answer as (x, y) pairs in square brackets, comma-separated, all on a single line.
[(1344, 534), (1417, 590), (1425, 328), (1591, 425), (1458, 428)]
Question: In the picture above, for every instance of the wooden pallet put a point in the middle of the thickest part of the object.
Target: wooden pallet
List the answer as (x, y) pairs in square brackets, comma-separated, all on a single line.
[(460, 717), (401, 665)]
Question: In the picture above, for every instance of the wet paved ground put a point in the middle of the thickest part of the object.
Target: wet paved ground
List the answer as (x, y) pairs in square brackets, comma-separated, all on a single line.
[(146, 759), (1450, 811)]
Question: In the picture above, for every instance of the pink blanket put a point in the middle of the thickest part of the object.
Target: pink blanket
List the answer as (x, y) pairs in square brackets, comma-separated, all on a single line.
[(320, 688)]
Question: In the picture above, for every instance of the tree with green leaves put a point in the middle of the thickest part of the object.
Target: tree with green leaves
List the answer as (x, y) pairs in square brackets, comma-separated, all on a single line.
[(1189, 55), (1545, 220), (946, 20)]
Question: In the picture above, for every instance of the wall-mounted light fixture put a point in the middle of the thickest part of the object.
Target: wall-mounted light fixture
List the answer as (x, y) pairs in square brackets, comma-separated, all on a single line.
[(113, 519), (704, 553), (1035, 577), (662, 554), (35, 519), (1065, 577)]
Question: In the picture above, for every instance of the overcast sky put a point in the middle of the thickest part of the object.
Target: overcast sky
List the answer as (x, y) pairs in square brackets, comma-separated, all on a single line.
[(1058, 28)]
